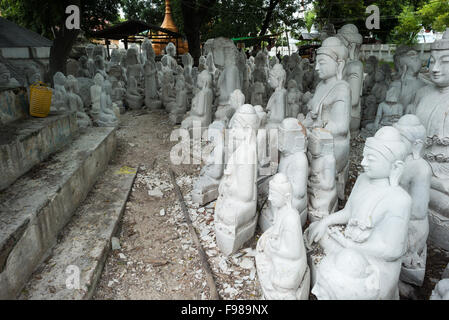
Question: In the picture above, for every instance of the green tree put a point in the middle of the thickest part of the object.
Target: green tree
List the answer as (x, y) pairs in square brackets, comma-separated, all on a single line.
[(435, 15), (310, 18), (47, 17), (408, 28)]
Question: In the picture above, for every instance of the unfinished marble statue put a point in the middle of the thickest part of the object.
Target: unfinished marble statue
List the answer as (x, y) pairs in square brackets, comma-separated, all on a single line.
[(134, 94), (59, 99), (100, 66), (390, 110), (321, 188), (116, 70), (205, 189), (277, 104), (432, 110), (294, 164), (380, 87), (118, 94), (168, 93), (170, 55), (235, 211), (202, 64), (228, 82), (201, 111), (369, 111), (178, 112), (133, 67), (111, 106), (281, 259), (295, 71), (330, 107), (150, 73), (416, 181), (353, 73), (260, 73), (90, 59), (236, 100), (409, 82), (294, 98), (76, 103), (102, 115), (364, 260), (370, 69), (258, 94), (83, 70), (441, 291)]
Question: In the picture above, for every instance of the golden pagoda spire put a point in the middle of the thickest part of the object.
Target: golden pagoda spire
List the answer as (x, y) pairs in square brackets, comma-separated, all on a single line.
[(168, 22)]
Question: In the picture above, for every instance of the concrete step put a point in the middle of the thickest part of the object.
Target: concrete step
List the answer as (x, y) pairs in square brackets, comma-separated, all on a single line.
[(37, 206), (27, 142), (78, 259)]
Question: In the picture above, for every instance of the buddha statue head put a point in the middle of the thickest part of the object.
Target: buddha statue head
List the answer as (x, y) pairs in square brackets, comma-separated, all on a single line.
[(59, 79), (99, 62), (202, 60), (351, 38), (245, 117), (170, 49), (291, 85), (294, 61), (236, 99), (384, 154), (187, 60), (321, 143), (393, 94), (260, 60), (379, 76), (280, 191), (413, 134), (277, 76), (115, 57), (204, 80), (147, 46), (83, 62), (292, 136), (410, 62), (327, 31), (439, 61), (98, 80), (331, 59), (371, 65), (90, 50), (131, 57)]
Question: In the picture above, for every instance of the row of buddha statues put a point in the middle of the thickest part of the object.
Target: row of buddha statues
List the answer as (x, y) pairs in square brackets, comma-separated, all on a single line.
[(379, 238)]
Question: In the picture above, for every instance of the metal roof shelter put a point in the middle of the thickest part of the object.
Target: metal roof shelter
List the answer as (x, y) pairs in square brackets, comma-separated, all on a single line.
[(14, 36), (128, 30)]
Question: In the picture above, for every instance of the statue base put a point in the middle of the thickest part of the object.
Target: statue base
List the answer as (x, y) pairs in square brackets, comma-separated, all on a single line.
[(203, 197), (438, 230), (231, 239)]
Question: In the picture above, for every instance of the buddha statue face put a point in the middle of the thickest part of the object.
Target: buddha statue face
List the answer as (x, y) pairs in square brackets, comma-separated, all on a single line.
[(375, 165), (292, 85), (204, 79), (325, 66), (277, 76), (171, 49), (98, 80), (411, 60), (439, 68), (280, 191)]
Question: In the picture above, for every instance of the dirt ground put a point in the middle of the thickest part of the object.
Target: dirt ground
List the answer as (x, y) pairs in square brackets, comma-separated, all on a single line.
[(157, 258)]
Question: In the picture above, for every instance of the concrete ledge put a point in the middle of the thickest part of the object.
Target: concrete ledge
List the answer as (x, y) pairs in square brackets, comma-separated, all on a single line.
[(35, 209), (26, 143), (86, 241)]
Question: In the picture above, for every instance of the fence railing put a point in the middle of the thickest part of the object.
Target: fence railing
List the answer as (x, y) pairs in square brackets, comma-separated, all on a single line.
[(385, 52)]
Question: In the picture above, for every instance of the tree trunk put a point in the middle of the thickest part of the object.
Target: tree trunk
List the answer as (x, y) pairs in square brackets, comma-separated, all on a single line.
[(267, 20), (59, 52)]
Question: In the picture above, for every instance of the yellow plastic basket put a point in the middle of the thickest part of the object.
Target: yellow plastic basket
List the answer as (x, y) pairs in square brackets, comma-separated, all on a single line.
[(40, 99)]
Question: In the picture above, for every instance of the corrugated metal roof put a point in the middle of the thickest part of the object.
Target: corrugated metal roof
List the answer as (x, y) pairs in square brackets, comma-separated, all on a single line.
[(14, 36)]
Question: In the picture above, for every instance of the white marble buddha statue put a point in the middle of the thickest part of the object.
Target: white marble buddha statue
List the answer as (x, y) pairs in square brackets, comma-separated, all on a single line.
[(409, 82), (101, 112), (134, 94), (416, 181), (228, 81), (118, 95), (295, 70), (369, 111), (441, 290), (83, 71), (133, 66), (321, 187), (178, 111), (389, 111), (100, 66), (370, 69), (432, 108), (59, 99), (294, 100), (170, 55), (205, 188), (201, 111), (258, 94), (353, 73), (294, 164), (277, 104), (364, 261), (202, 64), (150, 73), (330, 107), (76, 103), (235, 211), (168, 93), (90, 59), (281, 259), (380, 87), (236, 100)]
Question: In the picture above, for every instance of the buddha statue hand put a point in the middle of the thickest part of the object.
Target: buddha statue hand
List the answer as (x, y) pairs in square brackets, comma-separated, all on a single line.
[(315, 232)]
